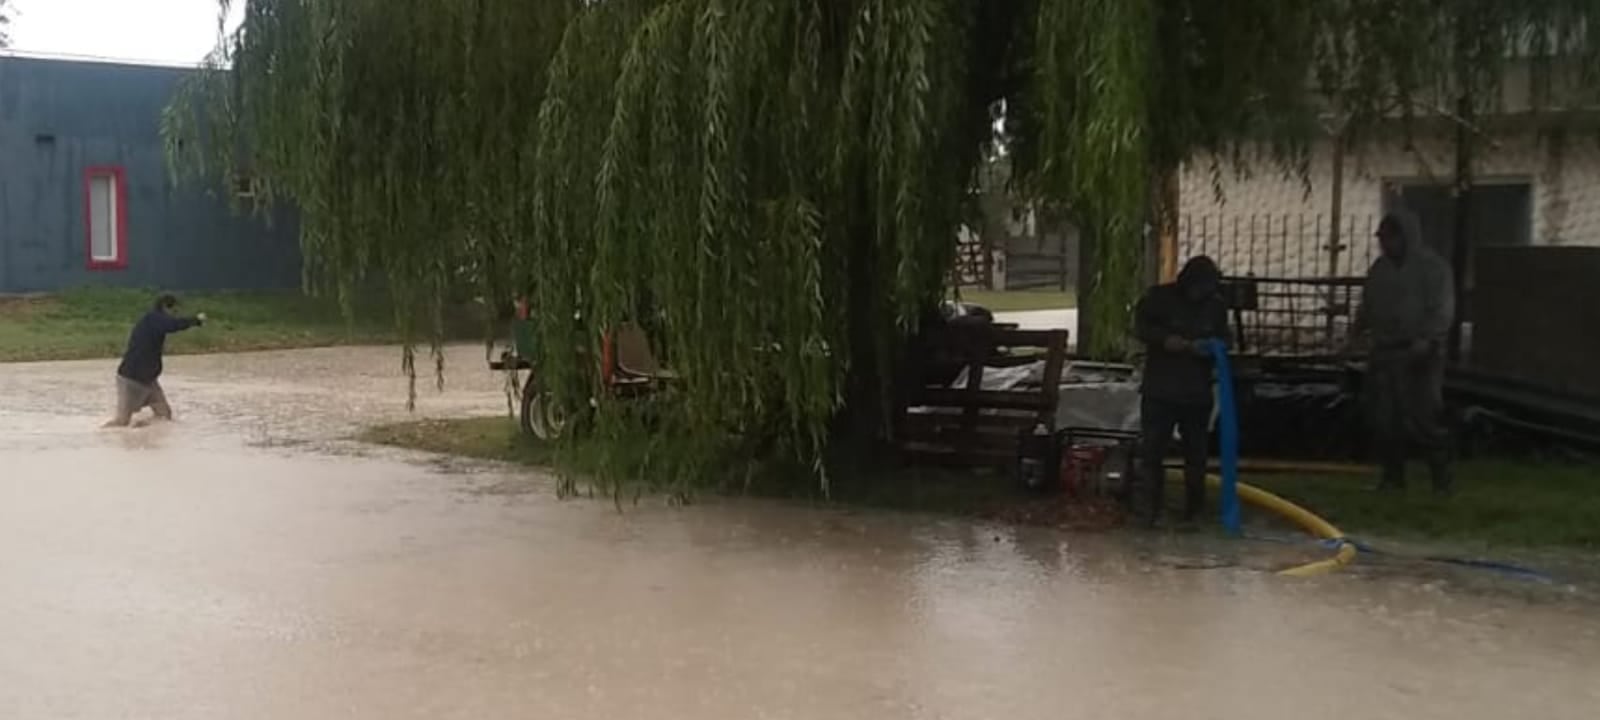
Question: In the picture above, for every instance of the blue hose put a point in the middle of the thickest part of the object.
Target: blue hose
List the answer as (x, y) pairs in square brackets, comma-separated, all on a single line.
[(1228, 440), (1510, 570)]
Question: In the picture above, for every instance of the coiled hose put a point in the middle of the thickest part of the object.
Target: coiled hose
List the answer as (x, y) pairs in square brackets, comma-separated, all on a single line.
[(1231, 491)]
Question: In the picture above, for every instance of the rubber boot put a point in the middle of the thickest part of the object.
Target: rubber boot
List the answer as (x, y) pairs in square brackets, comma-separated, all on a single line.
[(1156, 509), (1154, 499), (1194, 503), (1444, 481), (1393, 478)]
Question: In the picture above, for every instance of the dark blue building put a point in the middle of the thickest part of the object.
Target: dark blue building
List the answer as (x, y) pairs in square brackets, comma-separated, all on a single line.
[(85, 197)]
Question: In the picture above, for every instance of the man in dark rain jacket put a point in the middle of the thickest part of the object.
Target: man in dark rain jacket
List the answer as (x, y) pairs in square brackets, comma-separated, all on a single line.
[(1406, 310), (139, 375), (1177, 322)]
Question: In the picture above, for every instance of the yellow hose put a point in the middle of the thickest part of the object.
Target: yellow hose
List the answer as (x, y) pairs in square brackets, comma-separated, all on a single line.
[(1259, 465), (1318, 527), (1321, 529)]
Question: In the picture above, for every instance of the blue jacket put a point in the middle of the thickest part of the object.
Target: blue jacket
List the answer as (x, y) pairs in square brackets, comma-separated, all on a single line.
[(142, 361)]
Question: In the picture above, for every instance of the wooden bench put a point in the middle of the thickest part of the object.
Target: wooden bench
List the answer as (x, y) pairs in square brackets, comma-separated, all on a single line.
[(967, 425)]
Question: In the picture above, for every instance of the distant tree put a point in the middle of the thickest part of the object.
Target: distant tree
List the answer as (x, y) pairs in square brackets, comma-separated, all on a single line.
[(5, 19)]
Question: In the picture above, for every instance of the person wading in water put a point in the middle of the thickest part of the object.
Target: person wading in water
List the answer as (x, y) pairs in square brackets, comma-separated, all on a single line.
[(139, 375)]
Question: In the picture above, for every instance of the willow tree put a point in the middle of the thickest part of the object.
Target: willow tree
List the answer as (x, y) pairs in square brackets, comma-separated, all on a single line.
[(1124, 92), (398, 128), (771, 187)]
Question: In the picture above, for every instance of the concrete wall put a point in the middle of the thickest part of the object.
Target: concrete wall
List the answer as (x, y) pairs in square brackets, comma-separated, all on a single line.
[(58, 119)]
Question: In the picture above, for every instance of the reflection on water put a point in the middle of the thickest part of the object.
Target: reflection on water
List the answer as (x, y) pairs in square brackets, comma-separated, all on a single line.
[(225, 566)]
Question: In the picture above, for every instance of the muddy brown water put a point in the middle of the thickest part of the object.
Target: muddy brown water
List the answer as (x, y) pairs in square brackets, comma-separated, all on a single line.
[(247, 563)]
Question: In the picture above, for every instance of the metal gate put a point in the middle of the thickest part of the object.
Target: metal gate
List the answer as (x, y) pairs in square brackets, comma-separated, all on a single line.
[(1294, 292)]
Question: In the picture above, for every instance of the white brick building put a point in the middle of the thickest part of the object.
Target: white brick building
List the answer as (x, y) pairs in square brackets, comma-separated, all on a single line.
[(1533, 189), (1535, 185)]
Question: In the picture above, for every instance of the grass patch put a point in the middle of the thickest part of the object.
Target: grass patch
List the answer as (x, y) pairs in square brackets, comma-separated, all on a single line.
[(1021, 300), (905, 489), (94, 323), (488, 438), (500, 439), (1497, 503)]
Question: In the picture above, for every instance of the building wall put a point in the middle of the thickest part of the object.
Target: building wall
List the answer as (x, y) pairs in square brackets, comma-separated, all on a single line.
[(1290, 219), (58, 119)]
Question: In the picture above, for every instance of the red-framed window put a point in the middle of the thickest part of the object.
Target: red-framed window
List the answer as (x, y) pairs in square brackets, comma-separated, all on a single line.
[(105, 217)]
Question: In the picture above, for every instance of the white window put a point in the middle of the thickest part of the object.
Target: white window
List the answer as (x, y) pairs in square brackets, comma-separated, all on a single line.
[(105, 219)]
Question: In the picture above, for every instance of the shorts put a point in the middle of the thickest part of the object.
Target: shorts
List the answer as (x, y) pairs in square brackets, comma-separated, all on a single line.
[(133, 396)]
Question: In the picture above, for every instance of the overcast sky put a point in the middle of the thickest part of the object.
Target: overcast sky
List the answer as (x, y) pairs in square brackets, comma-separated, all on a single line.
[(165, 31)]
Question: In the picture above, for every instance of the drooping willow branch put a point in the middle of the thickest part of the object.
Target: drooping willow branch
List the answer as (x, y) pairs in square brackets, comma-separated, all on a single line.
[(772, 187)]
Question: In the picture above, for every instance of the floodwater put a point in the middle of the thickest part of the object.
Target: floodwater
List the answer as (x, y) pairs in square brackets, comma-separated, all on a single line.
[(247, 563)]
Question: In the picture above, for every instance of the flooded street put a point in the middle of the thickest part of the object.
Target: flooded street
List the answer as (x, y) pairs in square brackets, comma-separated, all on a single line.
[(247, 562)]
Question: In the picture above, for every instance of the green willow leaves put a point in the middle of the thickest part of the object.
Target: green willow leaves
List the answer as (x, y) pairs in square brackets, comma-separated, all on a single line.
[(772, 187)]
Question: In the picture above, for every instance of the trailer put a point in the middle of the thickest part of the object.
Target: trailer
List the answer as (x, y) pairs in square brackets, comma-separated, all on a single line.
[(628, 368)]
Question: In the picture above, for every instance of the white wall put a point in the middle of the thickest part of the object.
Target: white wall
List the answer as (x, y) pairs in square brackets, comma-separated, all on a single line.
[(1565, 180)]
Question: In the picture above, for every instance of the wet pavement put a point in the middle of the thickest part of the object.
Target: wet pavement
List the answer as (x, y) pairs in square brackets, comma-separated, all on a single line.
[(247, 562)]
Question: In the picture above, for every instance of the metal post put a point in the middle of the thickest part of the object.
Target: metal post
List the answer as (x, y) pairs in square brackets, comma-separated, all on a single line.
[(1461, 248), (986, 247), (1335, 242)]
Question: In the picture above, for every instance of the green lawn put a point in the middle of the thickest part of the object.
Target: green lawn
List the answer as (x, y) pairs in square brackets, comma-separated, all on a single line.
[(1021, 300), (94, 323), (916, 489), (487, 438), (500, 439), (1498, 504)]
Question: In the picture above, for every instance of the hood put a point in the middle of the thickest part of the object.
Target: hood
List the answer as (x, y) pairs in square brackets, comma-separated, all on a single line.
[(1407, 226), (1200, 271)]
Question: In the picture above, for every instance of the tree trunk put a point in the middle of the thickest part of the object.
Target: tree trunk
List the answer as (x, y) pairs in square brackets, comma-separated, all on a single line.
[(1088, 287), (994, 233), (1336, 229), (1167, 201)]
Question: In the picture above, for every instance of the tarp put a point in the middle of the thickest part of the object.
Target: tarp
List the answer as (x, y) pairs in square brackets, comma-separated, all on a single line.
[(1092, 396)]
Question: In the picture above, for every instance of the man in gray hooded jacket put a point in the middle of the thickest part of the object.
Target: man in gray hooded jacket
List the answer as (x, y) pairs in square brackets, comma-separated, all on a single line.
[(1407, 308)]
